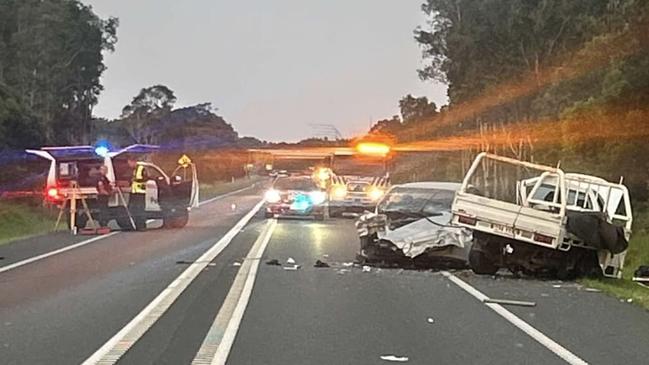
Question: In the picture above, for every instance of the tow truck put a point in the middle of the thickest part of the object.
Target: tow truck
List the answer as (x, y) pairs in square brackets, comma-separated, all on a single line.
[(357, 178), (73, 173), (552, 222)]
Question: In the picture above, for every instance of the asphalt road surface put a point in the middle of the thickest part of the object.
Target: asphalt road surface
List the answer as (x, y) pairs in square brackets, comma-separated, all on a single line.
[(204, 294)]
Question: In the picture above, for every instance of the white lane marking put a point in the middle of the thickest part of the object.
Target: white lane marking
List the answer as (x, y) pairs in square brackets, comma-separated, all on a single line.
[(200, 204), (52, 253), (95, 239), (537, 335), (122, 341), (220, 337)]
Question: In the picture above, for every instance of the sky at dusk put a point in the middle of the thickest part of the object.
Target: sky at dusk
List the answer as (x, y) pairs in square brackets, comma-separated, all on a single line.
[(272, 68)]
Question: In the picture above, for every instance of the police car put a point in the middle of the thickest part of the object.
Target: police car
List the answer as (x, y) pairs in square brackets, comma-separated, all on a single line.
[(72, 182)]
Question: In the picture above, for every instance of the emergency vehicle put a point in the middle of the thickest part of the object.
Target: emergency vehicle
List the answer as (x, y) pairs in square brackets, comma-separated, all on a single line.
[(358, 178), (74, 171)]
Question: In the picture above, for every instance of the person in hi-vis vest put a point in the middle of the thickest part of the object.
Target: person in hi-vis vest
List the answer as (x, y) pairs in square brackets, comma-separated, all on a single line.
[(136, 203)]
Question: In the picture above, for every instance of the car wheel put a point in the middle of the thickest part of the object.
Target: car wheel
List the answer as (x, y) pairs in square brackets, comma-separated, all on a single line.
[(319, 217), (176, 221), (269, 215), (124, 223), (80, 221), (480, 263)]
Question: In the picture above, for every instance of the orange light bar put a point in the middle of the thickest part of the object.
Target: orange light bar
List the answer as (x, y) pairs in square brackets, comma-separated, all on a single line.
[(373, 148)]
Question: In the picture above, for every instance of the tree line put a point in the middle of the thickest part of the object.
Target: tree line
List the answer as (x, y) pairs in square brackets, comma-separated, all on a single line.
[(547, 80)]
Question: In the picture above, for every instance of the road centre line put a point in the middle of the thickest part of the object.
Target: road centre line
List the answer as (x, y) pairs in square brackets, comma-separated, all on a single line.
[(122, 341), (30, 260), (537, 335), (219, 339)]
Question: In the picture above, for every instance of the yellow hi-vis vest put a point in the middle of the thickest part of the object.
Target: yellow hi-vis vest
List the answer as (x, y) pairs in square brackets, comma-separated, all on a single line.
[(138, 185)]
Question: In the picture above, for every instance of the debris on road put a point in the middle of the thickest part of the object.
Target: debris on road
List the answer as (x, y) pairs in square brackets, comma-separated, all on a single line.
[(236, 263), (593, 290), (394, 358), (367, 268), (342, 271), (630, 300), (187, 262), (321, 264), (430, 320), (273, 262), (641, 276), (509, 302), (291, 268), (290, 260), (348, 264)]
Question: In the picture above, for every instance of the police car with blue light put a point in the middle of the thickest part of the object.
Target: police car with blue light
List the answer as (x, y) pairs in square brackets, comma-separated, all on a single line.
[(135, 190), (295, 196)]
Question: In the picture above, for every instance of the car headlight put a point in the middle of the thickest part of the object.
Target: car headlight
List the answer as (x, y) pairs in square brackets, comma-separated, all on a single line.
[(317, 197), (376, 194), (272, 196), (340, 192)]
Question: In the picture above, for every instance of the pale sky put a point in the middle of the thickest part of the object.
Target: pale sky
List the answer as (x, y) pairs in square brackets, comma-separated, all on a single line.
[(271, 67)]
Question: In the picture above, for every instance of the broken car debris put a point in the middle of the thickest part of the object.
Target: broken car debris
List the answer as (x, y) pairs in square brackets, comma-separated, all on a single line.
[(394, 358), (321, 264), (509, 302), (273, 262)]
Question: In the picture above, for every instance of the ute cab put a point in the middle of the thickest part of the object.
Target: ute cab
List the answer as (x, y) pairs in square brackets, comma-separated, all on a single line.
[(73, 176), (550, 222)]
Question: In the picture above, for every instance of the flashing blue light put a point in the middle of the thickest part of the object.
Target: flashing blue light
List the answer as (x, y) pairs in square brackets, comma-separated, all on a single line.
[(301, 203), (102, 147), (101, 151)]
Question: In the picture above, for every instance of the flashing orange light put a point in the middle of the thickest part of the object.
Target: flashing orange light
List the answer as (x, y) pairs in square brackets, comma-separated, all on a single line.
[(373, 148)]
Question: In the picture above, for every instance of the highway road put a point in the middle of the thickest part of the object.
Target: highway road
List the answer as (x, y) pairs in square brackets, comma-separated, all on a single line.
[(204, 294)]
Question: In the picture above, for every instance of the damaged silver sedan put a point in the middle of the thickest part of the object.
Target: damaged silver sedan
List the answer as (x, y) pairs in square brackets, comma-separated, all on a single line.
[(411, 228)]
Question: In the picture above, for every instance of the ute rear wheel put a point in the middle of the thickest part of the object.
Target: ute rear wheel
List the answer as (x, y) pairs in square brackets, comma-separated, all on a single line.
[(481, 264)]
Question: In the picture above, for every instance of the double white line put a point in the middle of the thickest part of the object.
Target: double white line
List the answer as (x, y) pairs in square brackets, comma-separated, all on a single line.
[(123, 340)]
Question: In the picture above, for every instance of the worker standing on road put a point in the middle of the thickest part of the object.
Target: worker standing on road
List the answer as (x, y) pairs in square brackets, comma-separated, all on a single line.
[(137, 201), (104, 190)]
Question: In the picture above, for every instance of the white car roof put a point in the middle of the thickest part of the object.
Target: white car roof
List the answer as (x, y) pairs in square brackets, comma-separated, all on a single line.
[(430, 185)]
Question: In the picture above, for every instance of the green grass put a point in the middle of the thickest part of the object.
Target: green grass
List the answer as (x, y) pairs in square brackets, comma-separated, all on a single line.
[(637, 255), (23, 220)]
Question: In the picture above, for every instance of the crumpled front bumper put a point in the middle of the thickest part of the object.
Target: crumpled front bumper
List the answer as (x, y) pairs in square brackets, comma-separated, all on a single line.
[(419, 240)]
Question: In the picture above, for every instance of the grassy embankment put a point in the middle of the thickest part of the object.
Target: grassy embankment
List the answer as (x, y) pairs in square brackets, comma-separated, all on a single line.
[(23, 220), (18, 220)]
